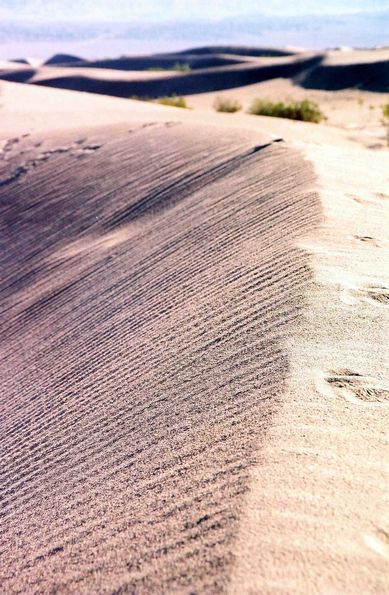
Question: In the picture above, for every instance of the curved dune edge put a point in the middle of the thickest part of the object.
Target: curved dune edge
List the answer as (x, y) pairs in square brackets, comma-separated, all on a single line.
[(210, 71), (316, 517), (257, 433), (151, 271)]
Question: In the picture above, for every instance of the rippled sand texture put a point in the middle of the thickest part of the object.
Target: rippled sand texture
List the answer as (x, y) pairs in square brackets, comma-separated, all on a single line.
[(194, 330), (149, 277)]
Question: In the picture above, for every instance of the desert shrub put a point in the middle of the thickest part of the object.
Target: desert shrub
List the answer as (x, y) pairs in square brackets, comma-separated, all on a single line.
[(227, 105), (178, 67), (181, 67), (385, 120), (174, 101), (138, 98), (305, 110)]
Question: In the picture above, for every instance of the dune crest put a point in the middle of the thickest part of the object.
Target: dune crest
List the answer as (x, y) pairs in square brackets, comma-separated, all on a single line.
[(145, 375)]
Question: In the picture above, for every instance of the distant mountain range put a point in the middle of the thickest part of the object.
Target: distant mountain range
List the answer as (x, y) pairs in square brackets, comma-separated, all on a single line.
[(358, 30), (168, 10)]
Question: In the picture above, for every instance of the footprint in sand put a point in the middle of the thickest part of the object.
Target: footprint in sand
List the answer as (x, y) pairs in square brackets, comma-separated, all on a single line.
[(88, 149), (78, 150), (376, 198), (357, 199), (355, 388), (367, 240), (377, 295), (378, 542), (7, 147)]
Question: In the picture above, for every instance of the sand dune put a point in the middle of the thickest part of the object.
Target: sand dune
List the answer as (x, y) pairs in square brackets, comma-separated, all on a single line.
[(97, 76), (169, 61), (212, 69), (157, 84), (372, 76), (239, 51), (351, 114), (63, 59), (199, 57), (193, 331), (16, 72), (155, 328)]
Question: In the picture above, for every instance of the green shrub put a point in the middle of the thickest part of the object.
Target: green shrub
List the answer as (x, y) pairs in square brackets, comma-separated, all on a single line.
[(305, 110), (181, 67), (227, 105), (174, 101), (138, 98), (385, 120), (178, 67)]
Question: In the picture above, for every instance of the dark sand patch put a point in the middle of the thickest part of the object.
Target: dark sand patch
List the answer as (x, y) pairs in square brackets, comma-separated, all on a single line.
[(139, 381)]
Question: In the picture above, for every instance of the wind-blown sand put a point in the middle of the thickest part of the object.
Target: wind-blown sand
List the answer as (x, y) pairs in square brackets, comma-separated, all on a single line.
[(194, 330)]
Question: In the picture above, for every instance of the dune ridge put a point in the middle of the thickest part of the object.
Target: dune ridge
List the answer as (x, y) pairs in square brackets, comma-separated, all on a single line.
[(211, 69), (199, 81), (169, 61), (141, 352), (360, 75)]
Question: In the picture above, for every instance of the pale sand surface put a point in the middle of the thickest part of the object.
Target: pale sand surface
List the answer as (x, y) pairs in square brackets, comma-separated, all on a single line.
[(54, 109), (186, 304), (320, 494), (357, 56), (48, 72), (351, 109), (296, 77)]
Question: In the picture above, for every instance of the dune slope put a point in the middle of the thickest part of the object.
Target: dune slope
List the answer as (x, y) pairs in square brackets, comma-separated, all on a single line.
[(150, 276), (194, 330), (371, 76), (168, 61), (211, 69), (112, 77)]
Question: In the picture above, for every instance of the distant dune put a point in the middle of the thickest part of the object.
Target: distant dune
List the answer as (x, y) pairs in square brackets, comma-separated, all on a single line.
[(168, 61), (371, 76), (20, 61), (239, 51), (63, 59), (199, 81), (20, 74), (211, 69)]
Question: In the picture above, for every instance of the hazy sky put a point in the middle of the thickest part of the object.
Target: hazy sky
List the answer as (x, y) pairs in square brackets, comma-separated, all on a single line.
[(157, 10)]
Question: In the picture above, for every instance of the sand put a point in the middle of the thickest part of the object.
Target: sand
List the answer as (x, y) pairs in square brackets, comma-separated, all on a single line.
[(350, 87), (320, 495), (357, 112), (194, 371)]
